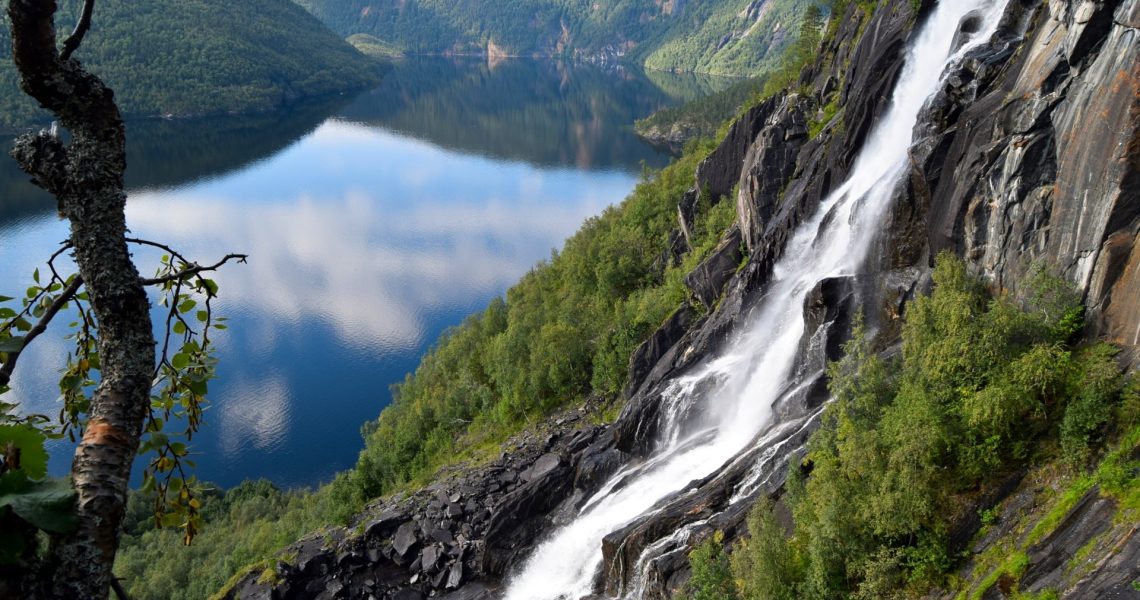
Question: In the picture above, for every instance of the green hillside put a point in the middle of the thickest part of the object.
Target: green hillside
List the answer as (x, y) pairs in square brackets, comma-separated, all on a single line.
[(733, 37), (197, 57)]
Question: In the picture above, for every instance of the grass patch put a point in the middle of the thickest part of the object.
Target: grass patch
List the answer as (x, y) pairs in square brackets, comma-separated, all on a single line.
[(1061, 509), (1013, 568)]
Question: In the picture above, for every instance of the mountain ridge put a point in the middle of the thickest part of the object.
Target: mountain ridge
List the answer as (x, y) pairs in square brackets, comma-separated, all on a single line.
[(738, 37), (201, 57)]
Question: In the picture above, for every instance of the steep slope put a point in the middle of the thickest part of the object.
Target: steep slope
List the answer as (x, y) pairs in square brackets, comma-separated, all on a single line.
[(202, 57), (1027, 155), (734, 37)]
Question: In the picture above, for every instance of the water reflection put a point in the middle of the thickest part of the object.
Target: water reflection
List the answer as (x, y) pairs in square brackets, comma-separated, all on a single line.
[(369, 233), (163, 154), (544, 112)]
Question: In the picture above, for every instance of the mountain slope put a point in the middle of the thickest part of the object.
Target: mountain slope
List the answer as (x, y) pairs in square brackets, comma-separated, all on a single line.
[(202, 57), (734, 37), (1027, 158)]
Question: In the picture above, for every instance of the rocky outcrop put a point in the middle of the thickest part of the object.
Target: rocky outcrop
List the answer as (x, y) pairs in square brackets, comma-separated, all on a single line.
[(707, 281), (1033, 157), (821, 163), (720, 173), (1028, 156), (456, 538), (768, 165), (1090, 552)]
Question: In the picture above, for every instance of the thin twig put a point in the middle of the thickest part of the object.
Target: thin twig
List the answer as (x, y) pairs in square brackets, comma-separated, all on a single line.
[(40, 327), (72, 43), (195, 270)]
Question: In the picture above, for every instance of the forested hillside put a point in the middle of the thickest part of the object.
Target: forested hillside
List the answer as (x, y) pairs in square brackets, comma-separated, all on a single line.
[(736, 37), (199, 57), (979, 438)]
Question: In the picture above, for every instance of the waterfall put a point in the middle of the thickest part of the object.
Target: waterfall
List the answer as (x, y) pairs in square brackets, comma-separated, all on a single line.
[(734, 392)]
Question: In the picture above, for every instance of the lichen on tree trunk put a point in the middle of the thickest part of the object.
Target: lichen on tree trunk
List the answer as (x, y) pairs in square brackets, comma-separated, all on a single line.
[(86, 177)]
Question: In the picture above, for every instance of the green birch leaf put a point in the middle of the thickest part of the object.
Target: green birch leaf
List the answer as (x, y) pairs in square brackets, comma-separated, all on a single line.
[(30, 442), (12, 344), (48, 505)]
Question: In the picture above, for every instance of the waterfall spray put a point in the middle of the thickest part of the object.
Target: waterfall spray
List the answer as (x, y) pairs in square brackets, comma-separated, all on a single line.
[(738, 388)]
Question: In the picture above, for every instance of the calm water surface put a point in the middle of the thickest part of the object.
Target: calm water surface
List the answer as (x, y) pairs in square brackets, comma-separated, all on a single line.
[(372, 225)]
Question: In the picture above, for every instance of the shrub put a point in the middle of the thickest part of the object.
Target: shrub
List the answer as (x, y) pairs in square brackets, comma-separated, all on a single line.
[(980, 384), (711, 574)]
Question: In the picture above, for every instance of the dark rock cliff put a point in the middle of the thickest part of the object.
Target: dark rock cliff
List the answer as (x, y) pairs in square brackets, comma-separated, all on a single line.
[(1029, 155)]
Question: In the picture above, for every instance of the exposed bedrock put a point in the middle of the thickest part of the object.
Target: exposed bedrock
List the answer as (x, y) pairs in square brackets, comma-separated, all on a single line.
[(1033, 156)]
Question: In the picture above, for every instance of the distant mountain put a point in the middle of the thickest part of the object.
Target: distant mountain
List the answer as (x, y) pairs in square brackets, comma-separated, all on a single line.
[(731, 37), (198, 57)]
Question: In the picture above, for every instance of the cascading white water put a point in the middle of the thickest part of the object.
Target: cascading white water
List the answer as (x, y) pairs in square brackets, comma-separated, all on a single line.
[(756, 366)]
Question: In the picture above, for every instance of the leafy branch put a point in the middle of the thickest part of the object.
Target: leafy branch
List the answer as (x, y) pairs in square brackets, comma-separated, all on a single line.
[(182, 371)]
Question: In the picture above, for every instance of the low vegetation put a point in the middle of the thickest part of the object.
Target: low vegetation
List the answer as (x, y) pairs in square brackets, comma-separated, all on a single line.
[(983, 386), (374, 47), (566, 330)]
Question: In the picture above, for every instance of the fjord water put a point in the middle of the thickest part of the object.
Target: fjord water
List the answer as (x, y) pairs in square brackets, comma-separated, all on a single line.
[(734, 392), (372, 224)]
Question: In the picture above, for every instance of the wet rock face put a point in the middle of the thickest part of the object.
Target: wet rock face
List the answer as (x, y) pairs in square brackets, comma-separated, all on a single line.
[(768, 165), (1029, 154), (707, 281), (873, 50), (1033, 156), (720, 172), (649, 353)]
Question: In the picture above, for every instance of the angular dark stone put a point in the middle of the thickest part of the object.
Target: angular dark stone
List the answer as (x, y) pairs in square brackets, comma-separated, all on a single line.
[(384, 523), (429, 558), (443, 535), (405, 539), (545, 464), (708, 280), (455, 575)]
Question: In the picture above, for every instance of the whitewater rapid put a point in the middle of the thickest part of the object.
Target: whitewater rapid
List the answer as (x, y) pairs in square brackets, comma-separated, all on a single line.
[(755, 367)]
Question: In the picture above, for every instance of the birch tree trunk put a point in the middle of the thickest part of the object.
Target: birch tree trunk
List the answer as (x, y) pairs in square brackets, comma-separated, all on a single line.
[(86, 177)]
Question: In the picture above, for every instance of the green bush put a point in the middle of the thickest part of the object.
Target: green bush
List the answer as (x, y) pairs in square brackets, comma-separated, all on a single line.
[(981, 385), (1096, 386), (711, 573), (766, 568)]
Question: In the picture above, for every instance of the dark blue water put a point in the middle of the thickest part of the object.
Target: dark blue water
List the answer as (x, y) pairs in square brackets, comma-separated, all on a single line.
[(372, 224)]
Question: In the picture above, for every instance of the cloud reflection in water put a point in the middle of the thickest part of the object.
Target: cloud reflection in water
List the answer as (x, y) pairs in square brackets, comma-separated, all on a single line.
[(350, 277)]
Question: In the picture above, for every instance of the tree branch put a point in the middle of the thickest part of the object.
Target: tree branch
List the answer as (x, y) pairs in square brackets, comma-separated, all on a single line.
[(76, 38), (80, 100), (117, 587), (44, 157), (40, 326), (195, 270)]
